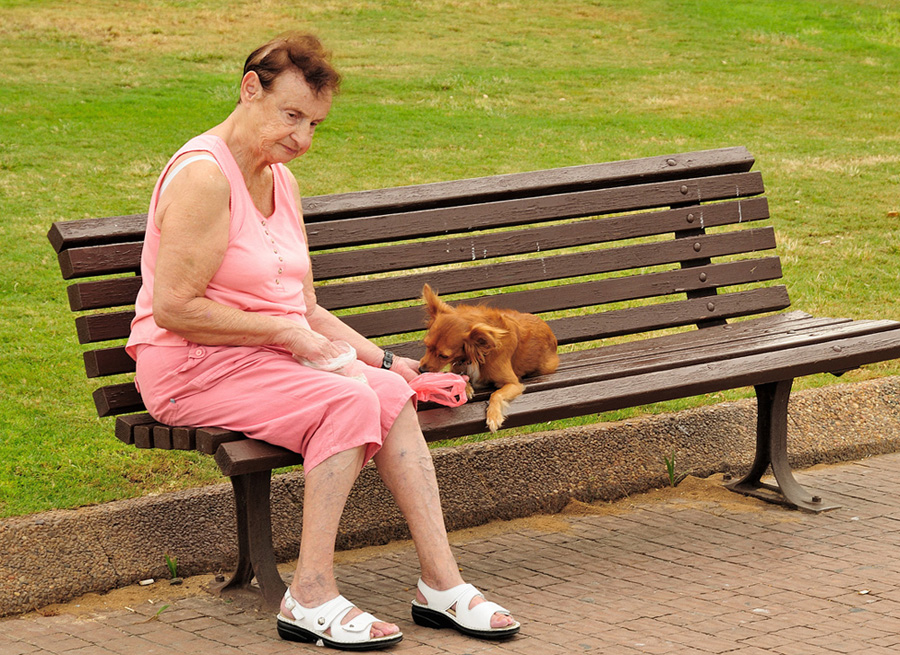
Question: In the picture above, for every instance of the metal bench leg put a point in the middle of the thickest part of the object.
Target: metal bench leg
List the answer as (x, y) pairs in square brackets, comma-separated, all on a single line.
[(256, 556), (771, 450)]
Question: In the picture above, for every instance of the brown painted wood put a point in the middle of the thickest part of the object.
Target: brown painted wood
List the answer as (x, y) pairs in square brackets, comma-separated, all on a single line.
[(116, 399), (251, 456), (101, 294), (586, 294), (488, 245), (162, 437), (511, 213), (125, 426), (101, 260), (183, 438), (541, 268), (560, 180), (71, 234), (665, 353), (107, 361), (143, 436), (208, 440), (94, 231), (103, 327), (636, 390)]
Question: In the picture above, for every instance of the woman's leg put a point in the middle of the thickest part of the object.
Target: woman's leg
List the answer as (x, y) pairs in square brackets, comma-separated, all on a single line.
[(405, 465), (325, 494)]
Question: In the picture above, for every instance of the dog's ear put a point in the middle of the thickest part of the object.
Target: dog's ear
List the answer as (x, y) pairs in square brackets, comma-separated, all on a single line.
[(481, 339), (433, 304)]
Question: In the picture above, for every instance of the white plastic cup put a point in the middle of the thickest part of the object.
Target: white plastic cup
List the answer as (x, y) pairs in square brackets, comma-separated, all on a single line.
[(343, 364)]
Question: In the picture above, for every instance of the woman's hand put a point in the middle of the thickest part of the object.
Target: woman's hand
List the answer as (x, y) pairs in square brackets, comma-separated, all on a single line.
[(307, 344), (408, 368)]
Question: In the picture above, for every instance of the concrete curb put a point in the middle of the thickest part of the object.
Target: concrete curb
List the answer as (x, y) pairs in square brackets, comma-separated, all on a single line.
[(56, 556)]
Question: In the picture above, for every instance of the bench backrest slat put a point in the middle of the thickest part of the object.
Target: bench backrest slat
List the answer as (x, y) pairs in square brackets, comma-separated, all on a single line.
[(101, 294), (483, 245), (601, 251), (86, 232), (110, 361), (101, 260), (116, 325), (537, 183), (115, 292), (528, 211), (543, 269), (95, 328), (585, 294)]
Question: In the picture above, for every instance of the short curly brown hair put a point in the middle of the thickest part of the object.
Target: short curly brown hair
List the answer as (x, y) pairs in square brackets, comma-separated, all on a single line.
[(300, 51)]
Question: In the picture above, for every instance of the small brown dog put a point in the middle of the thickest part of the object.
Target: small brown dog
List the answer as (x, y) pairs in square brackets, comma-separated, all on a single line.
[(491, 346)]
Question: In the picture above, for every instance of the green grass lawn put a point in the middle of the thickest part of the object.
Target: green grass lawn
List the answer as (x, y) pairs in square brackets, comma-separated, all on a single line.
[(95, 95)]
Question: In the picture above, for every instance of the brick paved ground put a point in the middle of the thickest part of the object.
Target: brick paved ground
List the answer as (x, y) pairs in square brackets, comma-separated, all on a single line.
[(679, 575)]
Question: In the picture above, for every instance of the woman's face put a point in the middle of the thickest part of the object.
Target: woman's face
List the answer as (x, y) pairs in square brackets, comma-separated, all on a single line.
[(286, 116)]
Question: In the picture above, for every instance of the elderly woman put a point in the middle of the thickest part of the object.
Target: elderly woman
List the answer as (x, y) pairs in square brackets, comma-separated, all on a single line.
[(227, 317)]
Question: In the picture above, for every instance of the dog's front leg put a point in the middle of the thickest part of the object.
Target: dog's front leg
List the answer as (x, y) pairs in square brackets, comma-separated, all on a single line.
[(500, 399)]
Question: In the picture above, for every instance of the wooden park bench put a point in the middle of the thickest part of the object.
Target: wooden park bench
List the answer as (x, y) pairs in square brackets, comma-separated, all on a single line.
[(640, 267)]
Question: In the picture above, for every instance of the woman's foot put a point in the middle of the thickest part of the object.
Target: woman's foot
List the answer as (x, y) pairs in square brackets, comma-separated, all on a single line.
[(498, 620), (309, 600), (463, 608)]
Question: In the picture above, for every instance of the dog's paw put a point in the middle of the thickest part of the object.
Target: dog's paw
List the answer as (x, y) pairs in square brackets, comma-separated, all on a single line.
[(470, 391), (496, 415)]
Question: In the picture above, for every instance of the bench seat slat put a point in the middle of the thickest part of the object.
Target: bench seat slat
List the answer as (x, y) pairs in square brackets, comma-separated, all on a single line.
[(208, 440), (236, 455), (511, 213), (599, 365), (693, 380), (472, 247), (251, 456), (773, 325), (143, 435), (162, 437), (696, 347), (183, 438), (647, 318), (541, 269), (125, 426)]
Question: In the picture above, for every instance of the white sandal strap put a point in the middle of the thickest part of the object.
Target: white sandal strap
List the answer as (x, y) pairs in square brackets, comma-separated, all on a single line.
[(329, 615), (477, 618)]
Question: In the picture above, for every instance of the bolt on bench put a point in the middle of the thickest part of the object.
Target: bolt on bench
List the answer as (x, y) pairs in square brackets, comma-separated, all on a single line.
[(640, 267)]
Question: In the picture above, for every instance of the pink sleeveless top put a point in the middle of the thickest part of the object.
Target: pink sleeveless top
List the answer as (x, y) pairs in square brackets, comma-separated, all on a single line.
[(265, 262)]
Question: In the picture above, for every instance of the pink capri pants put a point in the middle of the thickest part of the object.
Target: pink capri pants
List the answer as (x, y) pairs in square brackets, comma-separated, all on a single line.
[(266, 394)]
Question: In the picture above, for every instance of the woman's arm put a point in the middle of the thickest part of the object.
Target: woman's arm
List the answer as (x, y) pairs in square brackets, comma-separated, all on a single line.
[(193, 217), (332, 327)]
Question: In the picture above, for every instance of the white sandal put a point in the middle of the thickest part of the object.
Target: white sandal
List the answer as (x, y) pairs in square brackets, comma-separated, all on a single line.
[(309, 626), (437, 612)]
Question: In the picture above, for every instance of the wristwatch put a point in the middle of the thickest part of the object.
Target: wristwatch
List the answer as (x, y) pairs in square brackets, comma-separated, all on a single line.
[(388, 360)]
